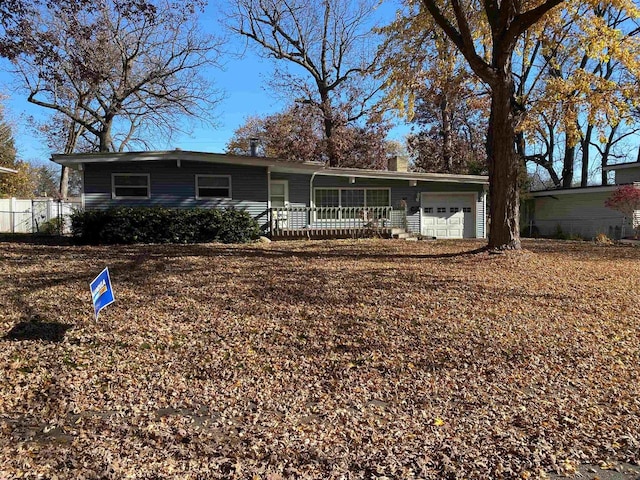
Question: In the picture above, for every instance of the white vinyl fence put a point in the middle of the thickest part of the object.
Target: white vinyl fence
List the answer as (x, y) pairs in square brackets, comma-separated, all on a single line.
[(32, 215)]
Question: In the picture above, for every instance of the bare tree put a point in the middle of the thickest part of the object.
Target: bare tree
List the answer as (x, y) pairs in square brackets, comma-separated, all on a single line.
[(118, 72), (331, 42), (295, 134)]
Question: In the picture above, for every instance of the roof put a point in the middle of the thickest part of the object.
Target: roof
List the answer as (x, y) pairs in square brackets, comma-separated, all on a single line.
[(621, 166), (579, 190), (7, 170), (275, 164)]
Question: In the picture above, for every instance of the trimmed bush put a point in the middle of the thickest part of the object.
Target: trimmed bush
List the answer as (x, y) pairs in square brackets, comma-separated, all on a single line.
[(163, 225)]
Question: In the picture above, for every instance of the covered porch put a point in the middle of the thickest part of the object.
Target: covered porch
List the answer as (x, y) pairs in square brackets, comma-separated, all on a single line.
[(336, 222)]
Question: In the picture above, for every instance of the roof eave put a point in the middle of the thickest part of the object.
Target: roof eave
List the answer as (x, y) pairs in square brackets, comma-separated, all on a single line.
[(276, 165), (621, 166), (569, 191)]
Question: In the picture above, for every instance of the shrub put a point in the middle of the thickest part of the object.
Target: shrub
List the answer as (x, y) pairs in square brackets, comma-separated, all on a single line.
[(51, 227), (602, 239), (163, 225), (626, 200)]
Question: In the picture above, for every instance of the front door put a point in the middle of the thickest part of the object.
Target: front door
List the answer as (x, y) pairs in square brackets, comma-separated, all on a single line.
[(279, 199)]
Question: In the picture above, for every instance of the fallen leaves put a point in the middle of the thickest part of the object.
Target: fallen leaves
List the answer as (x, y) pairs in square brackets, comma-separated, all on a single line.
[(358, 359)]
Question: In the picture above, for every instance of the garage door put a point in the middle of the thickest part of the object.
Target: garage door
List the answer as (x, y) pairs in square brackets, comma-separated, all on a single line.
[(448, 216)]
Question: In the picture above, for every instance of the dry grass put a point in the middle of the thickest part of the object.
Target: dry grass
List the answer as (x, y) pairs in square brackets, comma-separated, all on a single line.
[(341, 359)]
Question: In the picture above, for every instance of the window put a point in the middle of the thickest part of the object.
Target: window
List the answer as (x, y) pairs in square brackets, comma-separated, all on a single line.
[(213, 186), (327, 197), (442, 210), (130, 185), (466, 209), (327, 200), (428, 209), (350, 199), (378, 198), (454, 210), (279, 193)]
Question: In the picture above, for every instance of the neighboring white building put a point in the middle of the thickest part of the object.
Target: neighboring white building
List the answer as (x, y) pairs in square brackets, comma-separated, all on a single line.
[(580, 211)]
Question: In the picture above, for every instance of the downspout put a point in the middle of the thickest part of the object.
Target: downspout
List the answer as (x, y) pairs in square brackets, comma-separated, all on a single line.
[(82, 197)]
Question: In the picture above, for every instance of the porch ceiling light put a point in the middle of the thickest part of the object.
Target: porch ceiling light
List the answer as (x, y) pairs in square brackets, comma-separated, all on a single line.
[(352, 179), (413, 183)]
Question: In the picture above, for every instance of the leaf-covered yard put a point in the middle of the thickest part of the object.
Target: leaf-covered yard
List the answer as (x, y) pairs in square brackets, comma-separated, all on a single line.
[(340, 359)]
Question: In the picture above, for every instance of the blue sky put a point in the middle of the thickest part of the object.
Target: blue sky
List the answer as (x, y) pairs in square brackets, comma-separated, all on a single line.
[(243, 82)]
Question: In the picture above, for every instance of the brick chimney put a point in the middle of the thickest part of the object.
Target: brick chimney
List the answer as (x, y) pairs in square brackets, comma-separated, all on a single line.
[(398, 163)]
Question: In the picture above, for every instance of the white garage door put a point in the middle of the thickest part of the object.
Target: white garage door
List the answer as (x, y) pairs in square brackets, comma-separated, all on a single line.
[(448, 216)]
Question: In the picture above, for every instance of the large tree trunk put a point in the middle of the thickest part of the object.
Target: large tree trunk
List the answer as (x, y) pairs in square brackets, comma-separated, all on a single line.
[(104, 140), (605, 155), (567, 166), (504, 169), (586, 142), (64, 182), (329, 127), (73, 133)]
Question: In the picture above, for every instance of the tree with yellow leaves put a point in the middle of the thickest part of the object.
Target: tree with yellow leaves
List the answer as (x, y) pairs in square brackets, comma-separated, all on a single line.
[(501, 43), (587, 72)]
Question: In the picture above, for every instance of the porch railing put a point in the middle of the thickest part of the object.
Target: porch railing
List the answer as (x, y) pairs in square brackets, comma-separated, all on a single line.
[(335, 218)]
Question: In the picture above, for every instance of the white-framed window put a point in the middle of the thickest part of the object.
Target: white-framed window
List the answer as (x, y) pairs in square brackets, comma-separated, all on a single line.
[(328, 199), (213, 186), (130, 185)]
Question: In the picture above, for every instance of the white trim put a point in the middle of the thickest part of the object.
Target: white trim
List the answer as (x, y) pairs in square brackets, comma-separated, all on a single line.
[(315, 189), (571, 191), (134, 197), (484, 214), (204, 175), (286, 190), (7, 170)]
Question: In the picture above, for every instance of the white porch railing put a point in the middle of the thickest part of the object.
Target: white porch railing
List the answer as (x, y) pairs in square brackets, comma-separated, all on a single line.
[(287, 219)]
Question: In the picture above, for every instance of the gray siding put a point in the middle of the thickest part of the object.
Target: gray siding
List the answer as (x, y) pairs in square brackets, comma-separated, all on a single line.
[(299, 194), (628, 175), (298, 187), (174, 187), (581, 214)]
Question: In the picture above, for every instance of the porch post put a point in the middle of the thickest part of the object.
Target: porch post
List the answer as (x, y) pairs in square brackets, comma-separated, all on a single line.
[(309, 216)]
